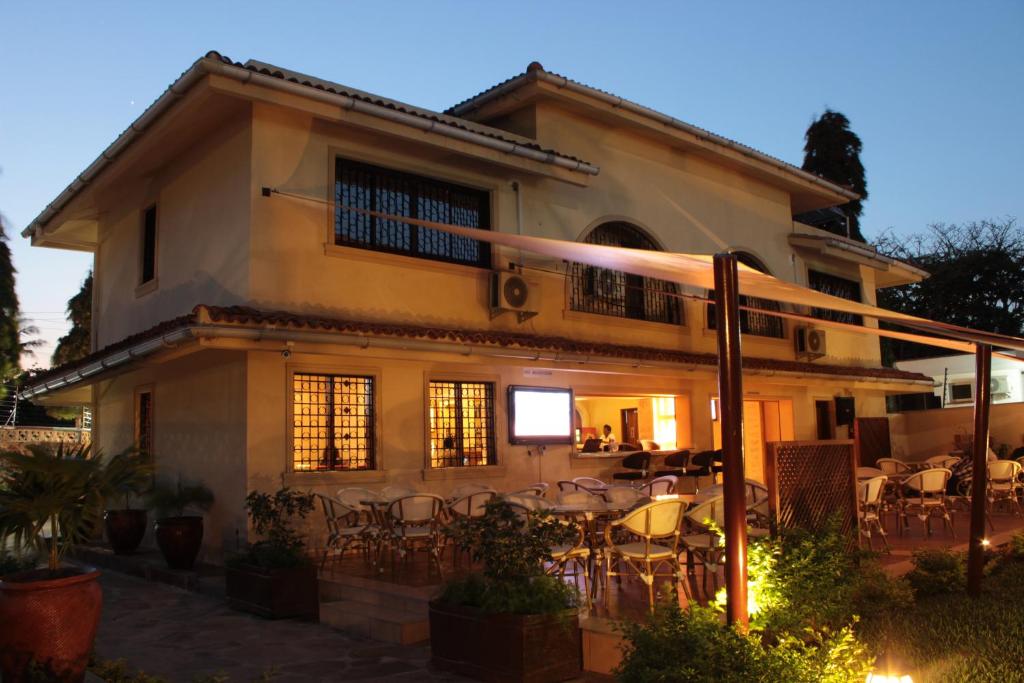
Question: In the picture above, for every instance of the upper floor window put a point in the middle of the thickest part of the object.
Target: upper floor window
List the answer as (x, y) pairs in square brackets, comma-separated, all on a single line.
[(753, 322), (333, 422), (402, 194), (836, 286), (461, 424), (612, 292), (147, 257)]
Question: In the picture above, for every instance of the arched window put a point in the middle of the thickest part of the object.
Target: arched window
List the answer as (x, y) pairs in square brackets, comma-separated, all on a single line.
[(758, 324), (612, 292)]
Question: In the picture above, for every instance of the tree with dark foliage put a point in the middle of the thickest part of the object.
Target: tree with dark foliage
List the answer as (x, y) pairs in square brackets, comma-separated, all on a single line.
[(76, 343), (832, 151), (11, 345), (977, 280)]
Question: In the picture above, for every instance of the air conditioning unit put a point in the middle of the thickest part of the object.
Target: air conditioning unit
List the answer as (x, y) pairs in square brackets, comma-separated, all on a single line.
[(810, 343), (1000, 387), (510, 293)]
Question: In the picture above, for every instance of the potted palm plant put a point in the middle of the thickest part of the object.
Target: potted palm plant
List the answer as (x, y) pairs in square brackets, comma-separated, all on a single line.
[(50, 498), (275, 577), (129, 476), (180, 535), (510, 622)]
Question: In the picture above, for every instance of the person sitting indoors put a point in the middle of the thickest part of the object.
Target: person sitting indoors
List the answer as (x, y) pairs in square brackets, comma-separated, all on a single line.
[(608, 439)]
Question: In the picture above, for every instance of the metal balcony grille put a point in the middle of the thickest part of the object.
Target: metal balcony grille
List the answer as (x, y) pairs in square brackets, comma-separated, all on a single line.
[(333, 422), (461, 424), (612, 292), (757, 324), (403, 194), (836, 286)]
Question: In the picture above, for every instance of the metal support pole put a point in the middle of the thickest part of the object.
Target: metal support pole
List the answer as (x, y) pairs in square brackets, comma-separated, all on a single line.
[(979, 473), (730, 392)]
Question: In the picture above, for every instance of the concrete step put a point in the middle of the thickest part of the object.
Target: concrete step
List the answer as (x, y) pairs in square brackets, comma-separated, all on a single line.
[(414, 599), (375, 621)]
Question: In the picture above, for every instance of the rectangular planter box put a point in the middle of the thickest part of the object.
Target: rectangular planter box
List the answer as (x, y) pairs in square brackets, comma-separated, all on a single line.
[(534, 648), (274, 593)]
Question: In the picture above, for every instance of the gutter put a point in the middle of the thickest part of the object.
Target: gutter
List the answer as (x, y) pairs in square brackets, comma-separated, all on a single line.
[(212, 65), (861, 251), (617, 102), (199, 332)]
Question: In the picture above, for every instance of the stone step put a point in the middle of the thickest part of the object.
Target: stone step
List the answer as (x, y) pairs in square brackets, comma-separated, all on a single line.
[(414, 599), (375, 621)]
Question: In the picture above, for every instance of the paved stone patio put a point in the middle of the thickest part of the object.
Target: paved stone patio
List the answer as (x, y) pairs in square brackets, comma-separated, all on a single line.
[(181, 636)]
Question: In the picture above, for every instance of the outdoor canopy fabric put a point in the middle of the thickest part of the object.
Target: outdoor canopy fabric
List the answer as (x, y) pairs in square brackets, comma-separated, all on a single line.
[(696, 270)]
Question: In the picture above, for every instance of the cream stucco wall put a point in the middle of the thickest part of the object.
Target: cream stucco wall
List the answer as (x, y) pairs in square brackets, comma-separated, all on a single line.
[(920, 434)]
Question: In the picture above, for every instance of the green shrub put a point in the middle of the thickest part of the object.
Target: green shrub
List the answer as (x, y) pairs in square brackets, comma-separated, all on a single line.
[(272, 517), (937, 572), (1015, 549), (527, 595)]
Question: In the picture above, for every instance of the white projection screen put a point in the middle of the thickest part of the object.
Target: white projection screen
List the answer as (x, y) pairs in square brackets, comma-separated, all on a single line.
[(540, 415)]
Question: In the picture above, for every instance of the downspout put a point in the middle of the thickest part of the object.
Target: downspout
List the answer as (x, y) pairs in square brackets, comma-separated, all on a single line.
[(519, 216)]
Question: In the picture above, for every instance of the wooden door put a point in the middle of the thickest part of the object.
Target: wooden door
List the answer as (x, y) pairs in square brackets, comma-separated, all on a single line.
[(630, 426), (824, 414), (871, 436)]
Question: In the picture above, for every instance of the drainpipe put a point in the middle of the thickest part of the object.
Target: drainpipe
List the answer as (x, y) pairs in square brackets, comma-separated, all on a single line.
[(519, 216)]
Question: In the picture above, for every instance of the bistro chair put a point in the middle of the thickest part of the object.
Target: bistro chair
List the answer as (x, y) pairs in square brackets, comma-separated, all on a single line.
[(703, 546), (758, 509), (581, 497), (924, 494), (891, 466), (636, 466), (622, 496), (661, 486), (470, 505), (538, 489), (870, 501), (944, 460), (344, 528), (415, 521), (651, 535), (393, 492), (589, 483), (675, 464), (1003, 484), (869, 472), (528, 501), (467, 489)]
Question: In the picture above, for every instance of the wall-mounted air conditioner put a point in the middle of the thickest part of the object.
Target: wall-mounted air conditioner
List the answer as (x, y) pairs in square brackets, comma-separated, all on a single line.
[(510, 293), (810, 343)]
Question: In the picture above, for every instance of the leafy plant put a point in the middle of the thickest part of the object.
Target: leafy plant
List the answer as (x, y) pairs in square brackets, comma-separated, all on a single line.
[(937, 572), (57, 489), (174, 500), (129, 474), (512, 546), (272, 517), (11, 563)]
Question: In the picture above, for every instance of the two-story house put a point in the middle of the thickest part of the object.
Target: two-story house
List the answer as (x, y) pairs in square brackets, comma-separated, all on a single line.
[(250, 337)]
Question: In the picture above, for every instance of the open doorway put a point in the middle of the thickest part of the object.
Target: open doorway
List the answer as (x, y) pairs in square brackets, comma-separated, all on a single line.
[(652, 422), (764, 421)]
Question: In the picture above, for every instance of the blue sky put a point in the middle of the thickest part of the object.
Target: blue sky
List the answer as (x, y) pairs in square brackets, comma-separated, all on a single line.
[(934, 89)]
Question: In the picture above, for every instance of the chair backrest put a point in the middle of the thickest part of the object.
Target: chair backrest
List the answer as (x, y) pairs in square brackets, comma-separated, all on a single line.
[(464, 490), (336, 512), (756, 491), (352, 497), (660, 486), (932, 480), (870, 491), (416, 509), (712, 508), (1003, 472), (580, 497), (869, 472), (678, 459), (393, 492), (592, 445), (622, 495), (589, 482), (658, 519), (528, 501), (472, 505), (943, 460), (538, 489), (637, 461), (892, 466), (703, 460)]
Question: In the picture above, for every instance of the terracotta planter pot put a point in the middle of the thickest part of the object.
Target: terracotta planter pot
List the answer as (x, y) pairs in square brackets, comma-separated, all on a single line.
[(125, 529), (180, 539), (48, 625), (274, 593), (531, 648)]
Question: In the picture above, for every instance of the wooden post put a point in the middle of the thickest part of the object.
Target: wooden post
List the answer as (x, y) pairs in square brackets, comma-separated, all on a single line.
[(979, 474), (730, 392)]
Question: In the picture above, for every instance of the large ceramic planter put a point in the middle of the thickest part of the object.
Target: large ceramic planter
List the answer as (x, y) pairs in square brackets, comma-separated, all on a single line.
[(125, 529), (180, 539), (274, 593), (48, 626), (532, 648)]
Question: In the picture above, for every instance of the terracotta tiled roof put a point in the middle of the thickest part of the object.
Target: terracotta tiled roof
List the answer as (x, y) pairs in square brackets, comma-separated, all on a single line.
[(250, 317)]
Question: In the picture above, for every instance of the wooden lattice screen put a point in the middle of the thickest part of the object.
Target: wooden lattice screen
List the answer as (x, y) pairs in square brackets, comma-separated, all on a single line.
[(872, 437), (809, 482)]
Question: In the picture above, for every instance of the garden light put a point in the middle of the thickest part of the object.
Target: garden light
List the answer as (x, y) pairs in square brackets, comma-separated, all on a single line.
[(985, 543), (888, 678)]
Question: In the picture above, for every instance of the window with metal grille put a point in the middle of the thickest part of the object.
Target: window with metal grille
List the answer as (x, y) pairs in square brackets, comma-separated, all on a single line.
[(148, 246), (402, 194), (753, 322), (144, 422), (461, 424), (333, 422), (836, 286), (612, 292)]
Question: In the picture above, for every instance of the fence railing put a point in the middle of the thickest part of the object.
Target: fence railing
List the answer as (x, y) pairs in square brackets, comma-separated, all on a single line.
[(52, 435), (812, 482)]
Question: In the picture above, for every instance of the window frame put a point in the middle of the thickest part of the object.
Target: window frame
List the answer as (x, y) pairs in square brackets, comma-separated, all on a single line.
[(828, 314), (954, 399), (144, 285), (309, 477), (336, 157), (750, 260), (496, 466)]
